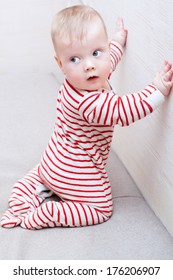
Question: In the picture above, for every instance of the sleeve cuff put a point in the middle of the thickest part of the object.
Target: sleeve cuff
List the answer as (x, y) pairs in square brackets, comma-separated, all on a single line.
[(156, 98)]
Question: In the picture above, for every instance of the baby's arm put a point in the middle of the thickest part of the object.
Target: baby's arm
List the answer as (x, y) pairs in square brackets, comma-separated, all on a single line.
[(107, 108), (120, 35), (164, 78), (117, 44)]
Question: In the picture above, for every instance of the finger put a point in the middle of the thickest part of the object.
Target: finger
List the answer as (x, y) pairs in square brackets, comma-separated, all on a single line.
[(167, 62), (120, 23), (125, 32), (168, 65), (164, 69), (169, 75), (169, 84)]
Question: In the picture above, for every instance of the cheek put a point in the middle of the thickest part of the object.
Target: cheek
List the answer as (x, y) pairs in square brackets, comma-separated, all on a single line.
[(72, 73), (106, 65), (66, 70), (74, 76), (106, 69)]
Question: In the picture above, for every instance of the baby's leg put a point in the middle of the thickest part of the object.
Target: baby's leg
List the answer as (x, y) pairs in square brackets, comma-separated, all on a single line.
[(64, 214), (24, 196), (27, 194)]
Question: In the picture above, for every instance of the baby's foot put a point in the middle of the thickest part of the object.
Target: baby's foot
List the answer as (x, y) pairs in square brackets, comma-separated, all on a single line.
[(9, 220), (19, 207)]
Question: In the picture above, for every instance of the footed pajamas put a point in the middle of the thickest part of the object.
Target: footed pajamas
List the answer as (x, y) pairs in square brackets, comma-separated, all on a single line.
[(73, 164)]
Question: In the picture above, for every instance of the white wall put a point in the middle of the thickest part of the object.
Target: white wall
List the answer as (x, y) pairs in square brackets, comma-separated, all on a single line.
[(25, 35), (26, 45), (145, 147)]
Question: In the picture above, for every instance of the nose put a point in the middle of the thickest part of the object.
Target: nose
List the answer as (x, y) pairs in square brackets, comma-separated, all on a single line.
[(89, 66)]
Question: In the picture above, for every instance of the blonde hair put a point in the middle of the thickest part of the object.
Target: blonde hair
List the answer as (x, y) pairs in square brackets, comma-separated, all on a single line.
[(72, 23)]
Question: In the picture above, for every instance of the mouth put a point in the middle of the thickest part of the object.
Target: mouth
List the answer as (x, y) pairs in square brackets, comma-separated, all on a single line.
[(92, 78)]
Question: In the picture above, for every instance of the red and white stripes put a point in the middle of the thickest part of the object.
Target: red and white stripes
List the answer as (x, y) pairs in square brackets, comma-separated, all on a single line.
[(73, 164), (116, 53)]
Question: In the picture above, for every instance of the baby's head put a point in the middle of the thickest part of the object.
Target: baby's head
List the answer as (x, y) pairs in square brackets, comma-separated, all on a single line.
[(81, 44), (72, 24)]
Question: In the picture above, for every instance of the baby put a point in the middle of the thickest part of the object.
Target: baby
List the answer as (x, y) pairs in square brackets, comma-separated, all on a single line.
[(73, 164)]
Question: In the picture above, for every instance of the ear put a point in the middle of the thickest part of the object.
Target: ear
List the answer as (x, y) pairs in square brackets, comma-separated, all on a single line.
[(58, 61)]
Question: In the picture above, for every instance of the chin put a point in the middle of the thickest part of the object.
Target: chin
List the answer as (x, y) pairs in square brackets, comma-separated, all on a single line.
[(95, 86)]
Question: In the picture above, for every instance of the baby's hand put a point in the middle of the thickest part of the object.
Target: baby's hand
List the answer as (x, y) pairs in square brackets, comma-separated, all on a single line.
[(164, 78), (120, 33)]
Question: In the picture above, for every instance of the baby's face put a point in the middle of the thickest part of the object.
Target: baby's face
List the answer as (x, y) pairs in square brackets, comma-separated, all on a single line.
[(86, 63)]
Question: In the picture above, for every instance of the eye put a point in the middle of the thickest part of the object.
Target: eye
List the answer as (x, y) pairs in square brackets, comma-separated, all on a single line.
[(75, 59), (97, 53)]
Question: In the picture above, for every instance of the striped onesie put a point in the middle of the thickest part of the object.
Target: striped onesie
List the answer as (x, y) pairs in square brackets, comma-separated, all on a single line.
[(73, 164)]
